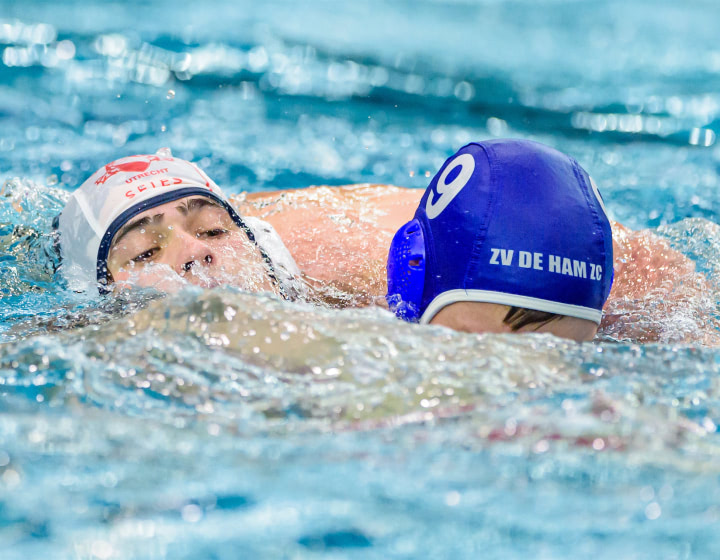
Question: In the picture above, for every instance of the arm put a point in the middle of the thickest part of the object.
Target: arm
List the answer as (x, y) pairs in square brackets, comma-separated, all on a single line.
[(657, 295), (339, 236)]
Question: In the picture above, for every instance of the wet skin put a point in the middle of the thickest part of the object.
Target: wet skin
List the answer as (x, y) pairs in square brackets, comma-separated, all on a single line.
[(477, 317), (192, 240), (339, 236)]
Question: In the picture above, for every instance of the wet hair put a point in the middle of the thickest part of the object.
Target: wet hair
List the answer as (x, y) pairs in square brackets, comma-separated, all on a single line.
[(519, 317)]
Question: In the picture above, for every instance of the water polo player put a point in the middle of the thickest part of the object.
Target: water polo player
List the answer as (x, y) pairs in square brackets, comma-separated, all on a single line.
[(510, 235), (151, 220)]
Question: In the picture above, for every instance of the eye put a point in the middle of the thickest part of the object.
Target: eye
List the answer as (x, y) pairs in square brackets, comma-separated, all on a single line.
[(213, 232), (146, 255)]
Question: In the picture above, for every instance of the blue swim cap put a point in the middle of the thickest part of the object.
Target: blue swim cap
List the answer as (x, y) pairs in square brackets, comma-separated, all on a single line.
[(511, 222)]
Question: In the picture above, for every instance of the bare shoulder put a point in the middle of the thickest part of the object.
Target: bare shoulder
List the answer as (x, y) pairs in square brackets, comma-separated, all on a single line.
[(337, 234), (656, 288), (376, 198)]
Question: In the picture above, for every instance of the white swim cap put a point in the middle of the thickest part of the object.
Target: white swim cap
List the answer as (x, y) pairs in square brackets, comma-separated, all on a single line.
[(116, 193)]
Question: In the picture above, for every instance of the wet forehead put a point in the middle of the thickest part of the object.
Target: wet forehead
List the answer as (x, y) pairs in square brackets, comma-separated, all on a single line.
[(184, 208)]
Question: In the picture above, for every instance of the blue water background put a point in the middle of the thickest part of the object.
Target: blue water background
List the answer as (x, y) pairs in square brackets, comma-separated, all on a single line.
[(317, 433)]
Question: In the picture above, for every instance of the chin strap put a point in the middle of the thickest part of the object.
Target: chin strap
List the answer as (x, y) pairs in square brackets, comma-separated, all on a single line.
[(406, 272)]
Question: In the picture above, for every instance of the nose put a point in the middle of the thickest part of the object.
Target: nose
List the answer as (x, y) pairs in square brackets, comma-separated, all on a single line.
[(185, 267), (191, 252)]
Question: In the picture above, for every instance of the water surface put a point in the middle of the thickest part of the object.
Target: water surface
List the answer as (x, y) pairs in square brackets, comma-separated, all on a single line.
[(212, 424)]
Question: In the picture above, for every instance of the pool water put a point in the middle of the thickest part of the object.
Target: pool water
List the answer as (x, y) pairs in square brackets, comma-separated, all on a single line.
[(221, 424)]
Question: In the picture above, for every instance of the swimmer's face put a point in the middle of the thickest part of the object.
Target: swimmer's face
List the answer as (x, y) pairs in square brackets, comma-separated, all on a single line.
[(478, 317), (188, 240)]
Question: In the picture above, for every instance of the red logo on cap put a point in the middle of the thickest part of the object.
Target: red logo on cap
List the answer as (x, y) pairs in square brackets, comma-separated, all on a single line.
[(137, 166)]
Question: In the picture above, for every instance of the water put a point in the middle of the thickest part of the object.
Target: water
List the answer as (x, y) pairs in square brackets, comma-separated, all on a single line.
[(218, 424)]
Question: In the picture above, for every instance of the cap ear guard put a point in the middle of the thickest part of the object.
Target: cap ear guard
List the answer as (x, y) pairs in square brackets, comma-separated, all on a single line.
[(406, 272)]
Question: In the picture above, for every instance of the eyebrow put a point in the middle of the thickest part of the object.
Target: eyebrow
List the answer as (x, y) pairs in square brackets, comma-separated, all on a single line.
[(185, 208), (138, 224), (194, 204)]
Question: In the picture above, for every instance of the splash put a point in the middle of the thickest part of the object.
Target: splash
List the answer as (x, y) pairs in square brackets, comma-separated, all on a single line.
[(27, 240)]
